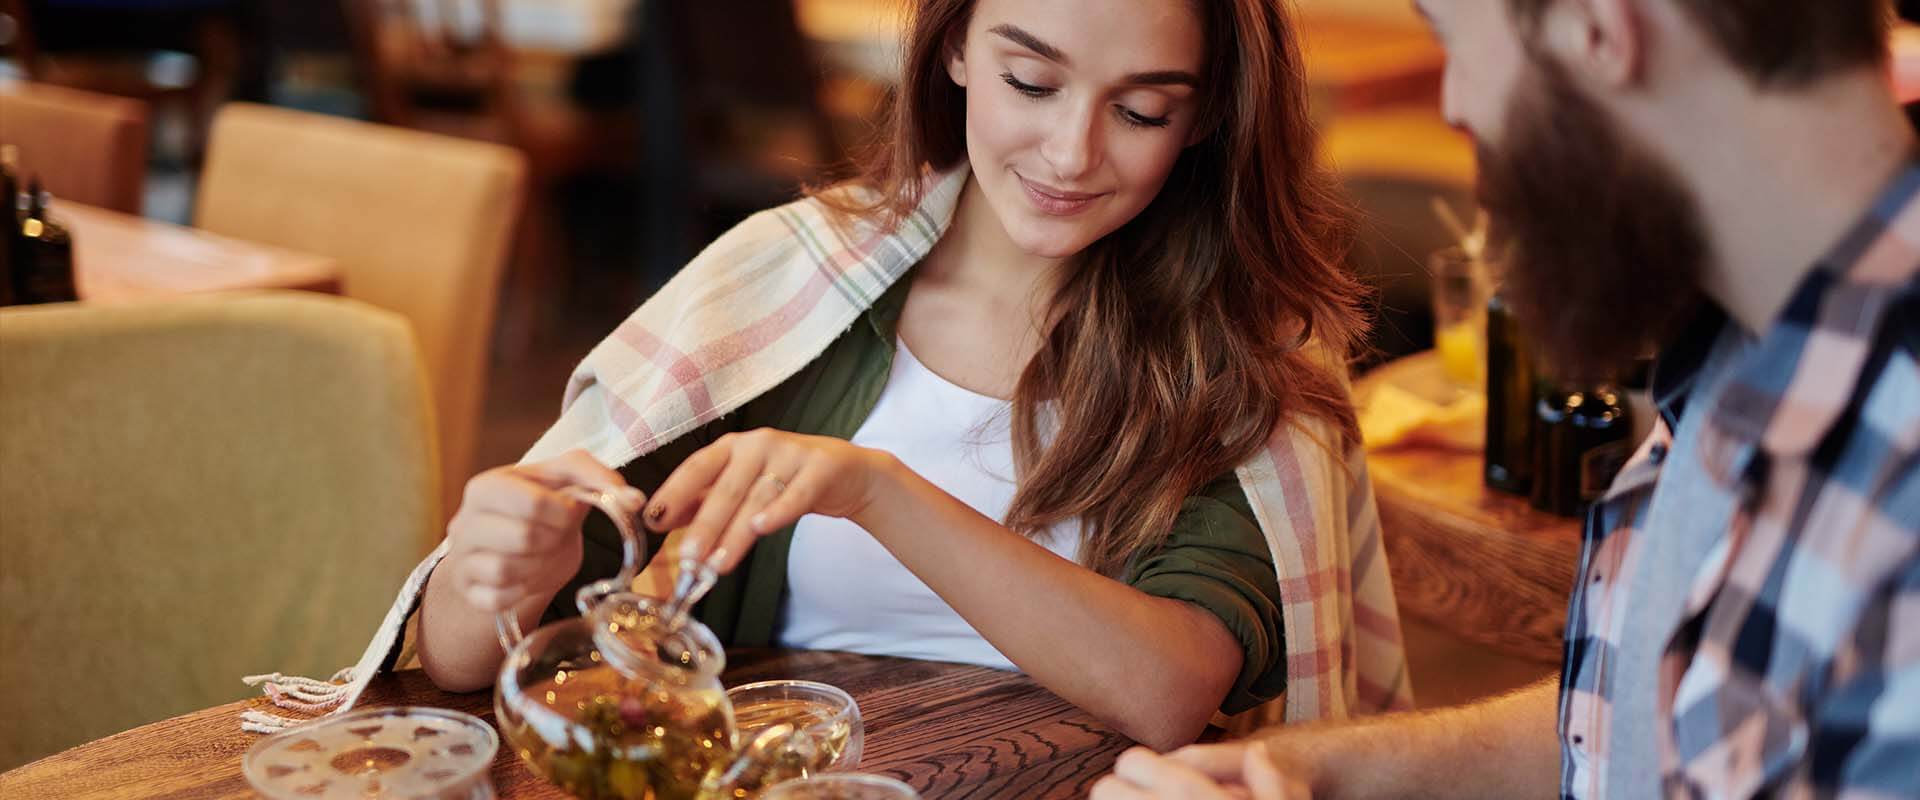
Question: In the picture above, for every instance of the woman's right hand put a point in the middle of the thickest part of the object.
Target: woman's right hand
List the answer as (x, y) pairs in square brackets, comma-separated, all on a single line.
[(516, 536)]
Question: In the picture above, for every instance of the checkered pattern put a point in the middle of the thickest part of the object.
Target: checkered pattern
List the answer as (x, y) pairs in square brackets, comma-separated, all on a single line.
[(1794, 667)]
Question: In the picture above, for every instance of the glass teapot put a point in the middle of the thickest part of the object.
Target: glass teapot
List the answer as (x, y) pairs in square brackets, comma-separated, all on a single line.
[(624, 701)]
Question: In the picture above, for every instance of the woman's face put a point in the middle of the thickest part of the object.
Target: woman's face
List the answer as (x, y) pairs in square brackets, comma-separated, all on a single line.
[(1076, 111)]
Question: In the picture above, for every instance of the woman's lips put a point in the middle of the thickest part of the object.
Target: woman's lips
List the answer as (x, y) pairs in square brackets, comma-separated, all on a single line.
[(1056, 202)]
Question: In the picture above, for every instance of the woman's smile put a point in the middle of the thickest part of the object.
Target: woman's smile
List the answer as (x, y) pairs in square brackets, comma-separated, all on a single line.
[(1056, 202)]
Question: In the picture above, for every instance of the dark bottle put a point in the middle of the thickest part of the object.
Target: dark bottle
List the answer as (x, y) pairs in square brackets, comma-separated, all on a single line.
[(43, 272), (1509, 449), (1580, 439), (10, 230)]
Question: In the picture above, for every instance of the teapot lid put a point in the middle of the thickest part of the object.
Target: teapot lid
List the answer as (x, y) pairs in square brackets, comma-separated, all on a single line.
[(635, 637)]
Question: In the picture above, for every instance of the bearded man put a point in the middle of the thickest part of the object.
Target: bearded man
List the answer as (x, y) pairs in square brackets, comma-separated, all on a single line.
[(1733, 183)]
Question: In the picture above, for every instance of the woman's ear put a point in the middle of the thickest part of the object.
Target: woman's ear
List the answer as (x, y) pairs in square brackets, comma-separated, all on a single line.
[(956, 47)]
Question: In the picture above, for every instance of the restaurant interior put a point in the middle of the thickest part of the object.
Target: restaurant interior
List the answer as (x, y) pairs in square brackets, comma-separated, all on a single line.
[(293, 271)]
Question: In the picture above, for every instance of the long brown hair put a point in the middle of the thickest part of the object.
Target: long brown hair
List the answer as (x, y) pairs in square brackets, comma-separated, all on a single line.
[(1179, 342)]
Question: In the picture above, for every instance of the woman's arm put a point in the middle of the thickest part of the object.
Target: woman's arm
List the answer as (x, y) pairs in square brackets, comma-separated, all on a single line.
[(512, 545), (1153, 668)]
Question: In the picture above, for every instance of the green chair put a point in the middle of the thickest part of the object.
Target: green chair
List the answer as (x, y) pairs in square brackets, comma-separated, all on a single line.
[(194, 491)]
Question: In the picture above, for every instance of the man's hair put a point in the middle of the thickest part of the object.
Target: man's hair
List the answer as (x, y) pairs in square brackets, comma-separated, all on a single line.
[(1783, 43)]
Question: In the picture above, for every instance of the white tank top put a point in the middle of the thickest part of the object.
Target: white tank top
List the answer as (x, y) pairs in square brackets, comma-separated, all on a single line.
[(845, 591)]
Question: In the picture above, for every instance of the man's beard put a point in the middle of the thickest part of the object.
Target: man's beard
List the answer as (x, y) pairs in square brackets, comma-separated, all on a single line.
[(1606, 246)]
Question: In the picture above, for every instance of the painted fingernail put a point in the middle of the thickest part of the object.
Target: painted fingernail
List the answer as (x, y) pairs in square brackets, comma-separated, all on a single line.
[(759, 523), (717, 557)]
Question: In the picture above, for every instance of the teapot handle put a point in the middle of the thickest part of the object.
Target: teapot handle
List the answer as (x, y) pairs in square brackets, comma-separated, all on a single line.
[(633, 547)]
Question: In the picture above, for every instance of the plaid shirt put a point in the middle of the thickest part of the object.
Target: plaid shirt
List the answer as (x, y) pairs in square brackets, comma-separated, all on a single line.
[(1793, 668)]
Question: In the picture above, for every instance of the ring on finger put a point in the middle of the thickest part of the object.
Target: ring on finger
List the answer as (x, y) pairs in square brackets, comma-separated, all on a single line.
[(779, 485)]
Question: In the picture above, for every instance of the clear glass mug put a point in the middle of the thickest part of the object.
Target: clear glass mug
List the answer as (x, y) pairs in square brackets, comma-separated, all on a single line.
[(617, 702), (789, 729)]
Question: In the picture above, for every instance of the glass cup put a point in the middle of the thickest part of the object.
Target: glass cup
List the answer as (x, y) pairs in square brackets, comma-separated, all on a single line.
[(789, 729), (374, 753), (842, 786), (1461, 288)]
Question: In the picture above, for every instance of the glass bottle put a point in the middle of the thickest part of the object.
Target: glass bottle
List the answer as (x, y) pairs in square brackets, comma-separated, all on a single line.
[(43, 272), (1509, 448), (10, 230), (1580, 442)]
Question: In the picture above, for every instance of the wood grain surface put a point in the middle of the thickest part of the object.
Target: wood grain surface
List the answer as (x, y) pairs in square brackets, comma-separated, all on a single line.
[(1478, 563), (120, 258), (952, 731)]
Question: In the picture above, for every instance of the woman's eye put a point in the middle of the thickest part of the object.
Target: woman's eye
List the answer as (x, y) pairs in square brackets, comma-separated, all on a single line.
[(1139, 120), (1025, 88)]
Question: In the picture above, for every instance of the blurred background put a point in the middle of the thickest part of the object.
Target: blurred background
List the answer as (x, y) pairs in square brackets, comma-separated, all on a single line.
[(647, 129), (493, 185)]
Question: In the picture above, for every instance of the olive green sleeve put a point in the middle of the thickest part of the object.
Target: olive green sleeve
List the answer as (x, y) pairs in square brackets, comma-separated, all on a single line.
[(1216, 558)]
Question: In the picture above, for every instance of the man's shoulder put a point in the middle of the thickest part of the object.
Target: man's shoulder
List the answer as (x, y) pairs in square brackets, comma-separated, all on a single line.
[(1877, 459), (1903, 323), (1888, 398)]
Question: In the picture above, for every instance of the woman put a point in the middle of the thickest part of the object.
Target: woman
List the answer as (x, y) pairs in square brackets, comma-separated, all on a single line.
[(1023, 394)]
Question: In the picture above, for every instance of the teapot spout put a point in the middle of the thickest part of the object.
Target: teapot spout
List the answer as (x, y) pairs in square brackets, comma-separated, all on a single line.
[(775, 753)]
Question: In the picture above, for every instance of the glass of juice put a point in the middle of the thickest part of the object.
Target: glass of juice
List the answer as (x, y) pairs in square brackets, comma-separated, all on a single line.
[(1461, 287)]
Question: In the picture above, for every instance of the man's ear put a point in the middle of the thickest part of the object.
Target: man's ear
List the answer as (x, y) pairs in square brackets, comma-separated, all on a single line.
[(1601, 41)]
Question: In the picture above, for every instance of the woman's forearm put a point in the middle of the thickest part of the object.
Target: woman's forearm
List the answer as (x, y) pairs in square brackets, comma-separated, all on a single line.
[(459, 649), (1154, 668)]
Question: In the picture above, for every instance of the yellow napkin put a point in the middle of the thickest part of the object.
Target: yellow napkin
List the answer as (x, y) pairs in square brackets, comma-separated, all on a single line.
[(1394, 417)]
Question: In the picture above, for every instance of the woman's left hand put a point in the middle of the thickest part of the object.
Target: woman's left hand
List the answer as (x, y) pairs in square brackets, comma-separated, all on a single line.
[(747, 485)]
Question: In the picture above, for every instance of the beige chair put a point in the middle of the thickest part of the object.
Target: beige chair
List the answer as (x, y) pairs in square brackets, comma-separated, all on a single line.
[(195, 491), (85, 147), (420, 224)]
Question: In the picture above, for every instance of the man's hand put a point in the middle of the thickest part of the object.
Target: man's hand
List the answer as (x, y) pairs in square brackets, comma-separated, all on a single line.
[(1232, 771)]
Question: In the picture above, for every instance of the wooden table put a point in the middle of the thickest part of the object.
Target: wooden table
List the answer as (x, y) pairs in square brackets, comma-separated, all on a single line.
[(1480, 564), (119, 258), (951, 731)]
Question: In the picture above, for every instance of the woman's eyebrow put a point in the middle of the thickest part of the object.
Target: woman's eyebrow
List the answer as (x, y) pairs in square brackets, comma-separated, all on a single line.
[(1049, 52), (1031, 42), (1164, 78)]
